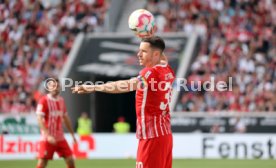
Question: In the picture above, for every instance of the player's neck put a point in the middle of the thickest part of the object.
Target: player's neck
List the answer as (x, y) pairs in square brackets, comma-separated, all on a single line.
[(152, 64), (53, 96), (161, 63)]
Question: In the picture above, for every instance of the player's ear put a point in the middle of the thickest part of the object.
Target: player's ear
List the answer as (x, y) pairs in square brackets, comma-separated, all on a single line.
[(156, 53)]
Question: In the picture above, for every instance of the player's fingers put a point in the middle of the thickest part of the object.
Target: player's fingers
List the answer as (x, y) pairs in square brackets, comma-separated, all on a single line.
[(81, 86), (74, 90), (81, 92), (154, 29), (137, 35), (77, 89), (150, 32), (53, 142)]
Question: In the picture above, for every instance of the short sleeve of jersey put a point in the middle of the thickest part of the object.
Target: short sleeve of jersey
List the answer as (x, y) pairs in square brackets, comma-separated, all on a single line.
[(147, 76), (42, 107)]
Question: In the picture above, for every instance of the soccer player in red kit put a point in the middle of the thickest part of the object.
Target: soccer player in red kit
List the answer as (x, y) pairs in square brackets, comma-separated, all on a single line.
[(153, 91), (51, 111)]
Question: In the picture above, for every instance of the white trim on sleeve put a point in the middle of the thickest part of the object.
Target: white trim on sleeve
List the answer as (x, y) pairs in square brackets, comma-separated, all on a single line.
[(40, 113)]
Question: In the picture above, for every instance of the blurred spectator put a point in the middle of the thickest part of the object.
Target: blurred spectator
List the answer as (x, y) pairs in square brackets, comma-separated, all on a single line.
[(239, 126), (216, 128), (121, 126), (84, 125), (238, 40)]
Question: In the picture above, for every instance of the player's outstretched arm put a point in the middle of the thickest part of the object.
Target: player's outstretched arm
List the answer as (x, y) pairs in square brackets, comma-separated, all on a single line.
[(68, 125), (121, 86)]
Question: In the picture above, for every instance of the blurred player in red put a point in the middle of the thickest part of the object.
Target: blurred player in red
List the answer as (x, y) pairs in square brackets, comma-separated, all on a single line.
[(153, 90), (51, 111)]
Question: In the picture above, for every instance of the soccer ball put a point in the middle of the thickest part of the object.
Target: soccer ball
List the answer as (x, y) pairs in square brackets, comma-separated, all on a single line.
[(141, 22)]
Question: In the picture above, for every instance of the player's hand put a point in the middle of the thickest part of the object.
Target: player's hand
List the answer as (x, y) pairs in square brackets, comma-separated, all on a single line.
[(83, 89), (51, 139), (150, 33), (164, 59), (75, 140)]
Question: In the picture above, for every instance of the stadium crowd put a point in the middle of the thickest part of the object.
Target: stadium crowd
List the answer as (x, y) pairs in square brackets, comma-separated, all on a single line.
[(238, 40), (35, 40)]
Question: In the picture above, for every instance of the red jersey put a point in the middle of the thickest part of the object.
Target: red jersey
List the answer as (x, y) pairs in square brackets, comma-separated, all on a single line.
[(53, 110), (152, 101)]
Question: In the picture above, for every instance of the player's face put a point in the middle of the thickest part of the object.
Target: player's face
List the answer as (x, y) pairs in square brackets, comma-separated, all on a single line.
[(54, 88), (145, 55)]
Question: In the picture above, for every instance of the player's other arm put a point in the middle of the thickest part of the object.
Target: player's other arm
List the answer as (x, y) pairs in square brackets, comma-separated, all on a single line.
[(41, 112), (122, 86), (164, 59), (41, 123), (69, 127)]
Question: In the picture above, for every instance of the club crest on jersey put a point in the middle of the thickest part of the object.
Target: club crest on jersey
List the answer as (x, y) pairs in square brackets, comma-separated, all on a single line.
[(147, 74), (56, 113), (169, 76)]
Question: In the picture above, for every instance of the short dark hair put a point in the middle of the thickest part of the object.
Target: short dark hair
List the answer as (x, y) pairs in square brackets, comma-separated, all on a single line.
[(155, 42)]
